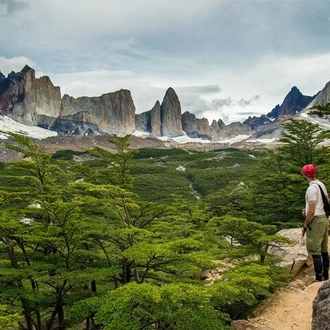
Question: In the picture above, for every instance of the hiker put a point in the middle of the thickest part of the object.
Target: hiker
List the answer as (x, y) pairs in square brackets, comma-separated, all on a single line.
[(316, 223)]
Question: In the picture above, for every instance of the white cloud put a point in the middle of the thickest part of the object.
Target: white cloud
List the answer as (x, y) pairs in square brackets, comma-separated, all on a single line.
[(15, 64)]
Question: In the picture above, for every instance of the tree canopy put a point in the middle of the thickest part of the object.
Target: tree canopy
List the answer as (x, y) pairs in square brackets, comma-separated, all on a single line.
[(93, 244)]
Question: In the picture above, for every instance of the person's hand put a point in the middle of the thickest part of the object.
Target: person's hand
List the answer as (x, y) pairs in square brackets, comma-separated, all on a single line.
[(303, 212), (303, 230)]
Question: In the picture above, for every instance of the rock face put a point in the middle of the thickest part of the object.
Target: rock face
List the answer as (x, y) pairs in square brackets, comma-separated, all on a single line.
[(198, 128), (232, 130), (270, 126), (155, 120), (24, 98), (321, 308), (170, 115), (150, 121), (163, 119), (36, 102), (108, 113), (293, 103), (256, 122), (322, 97)]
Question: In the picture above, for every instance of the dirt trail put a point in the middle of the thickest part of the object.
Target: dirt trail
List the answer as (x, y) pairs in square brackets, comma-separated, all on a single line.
[(291, 307), (288, 309)]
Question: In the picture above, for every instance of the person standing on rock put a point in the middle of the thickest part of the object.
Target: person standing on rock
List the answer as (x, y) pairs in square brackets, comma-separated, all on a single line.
[(316, 223)]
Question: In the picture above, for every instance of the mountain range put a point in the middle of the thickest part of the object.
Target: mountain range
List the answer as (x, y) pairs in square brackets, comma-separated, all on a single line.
[(36, 102)]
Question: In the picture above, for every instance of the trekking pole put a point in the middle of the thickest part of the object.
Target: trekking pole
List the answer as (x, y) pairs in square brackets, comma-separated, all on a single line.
[(296, 256)]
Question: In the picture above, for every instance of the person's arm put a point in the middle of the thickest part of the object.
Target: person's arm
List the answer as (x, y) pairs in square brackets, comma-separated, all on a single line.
[(309, 214)]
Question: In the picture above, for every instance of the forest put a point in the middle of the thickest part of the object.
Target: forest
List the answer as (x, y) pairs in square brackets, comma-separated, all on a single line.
[(121, 240)]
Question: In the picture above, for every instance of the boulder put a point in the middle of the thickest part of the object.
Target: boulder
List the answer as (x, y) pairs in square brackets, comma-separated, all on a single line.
[(292, 254), (321, 308)]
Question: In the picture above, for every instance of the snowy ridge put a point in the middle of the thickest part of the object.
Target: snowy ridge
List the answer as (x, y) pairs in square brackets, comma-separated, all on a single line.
[(9, 125)]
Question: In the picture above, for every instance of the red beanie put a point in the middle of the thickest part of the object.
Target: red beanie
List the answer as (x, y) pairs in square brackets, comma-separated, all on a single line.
[(309, 170)]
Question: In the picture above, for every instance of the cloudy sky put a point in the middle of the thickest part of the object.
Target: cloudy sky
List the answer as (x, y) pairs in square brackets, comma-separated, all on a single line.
[(226, 59)]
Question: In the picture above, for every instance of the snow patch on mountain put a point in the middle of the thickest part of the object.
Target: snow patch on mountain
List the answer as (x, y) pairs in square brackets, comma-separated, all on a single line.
[(9, 125)]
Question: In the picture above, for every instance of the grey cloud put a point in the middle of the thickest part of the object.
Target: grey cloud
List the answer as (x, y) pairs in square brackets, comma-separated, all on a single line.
[(223, 108), (247, 114), (244, 103), (194, 38), (9, 7), (219, 103), (207, 89)]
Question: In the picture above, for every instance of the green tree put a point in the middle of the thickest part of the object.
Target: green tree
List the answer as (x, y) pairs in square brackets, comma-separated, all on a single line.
[(79, 246), (133, 234), (247, 238), (42, 237), (142, 242), (302, 141), (321, 110), (171, 307), (244, 286), (7, 319)]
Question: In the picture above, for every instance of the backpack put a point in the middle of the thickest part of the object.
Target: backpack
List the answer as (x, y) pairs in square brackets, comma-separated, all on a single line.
[(326, 204)]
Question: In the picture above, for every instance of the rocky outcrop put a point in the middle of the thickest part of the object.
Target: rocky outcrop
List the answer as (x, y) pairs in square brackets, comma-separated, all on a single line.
[(163, 119), (155, 119), (215, 127), (170, 114), (270, 126), (322, 97), (37, 102), (110, 113), (149, 121), (293, 103), (293, 255), (256, 122), (197, 128), (24, 98), (143, 122), (321, 308), (232, 130)]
